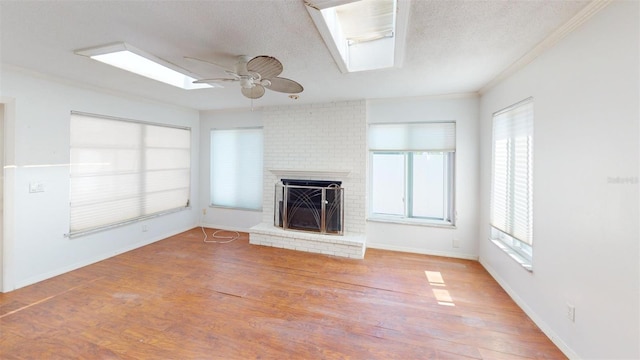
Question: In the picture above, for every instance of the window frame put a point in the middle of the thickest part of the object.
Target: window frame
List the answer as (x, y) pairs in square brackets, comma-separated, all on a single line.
[(519, 250), (407, 217)]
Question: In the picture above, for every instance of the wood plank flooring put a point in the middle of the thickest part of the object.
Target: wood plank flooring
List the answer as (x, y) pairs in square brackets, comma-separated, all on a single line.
[(181, 298)]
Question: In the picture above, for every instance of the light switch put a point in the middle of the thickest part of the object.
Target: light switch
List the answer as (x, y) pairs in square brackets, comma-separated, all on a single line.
[(36, 187)]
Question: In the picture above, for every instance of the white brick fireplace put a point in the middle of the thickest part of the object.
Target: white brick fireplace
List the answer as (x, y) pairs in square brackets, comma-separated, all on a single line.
[(316, 142)]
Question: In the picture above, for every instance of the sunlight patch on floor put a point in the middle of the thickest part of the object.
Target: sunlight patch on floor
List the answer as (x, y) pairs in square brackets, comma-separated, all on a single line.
[(442, 295)]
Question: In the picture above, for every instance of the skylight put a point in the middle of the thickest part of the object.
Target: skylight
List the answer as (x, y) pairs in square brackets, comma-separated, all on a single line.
[(127, 57), (362, 34)]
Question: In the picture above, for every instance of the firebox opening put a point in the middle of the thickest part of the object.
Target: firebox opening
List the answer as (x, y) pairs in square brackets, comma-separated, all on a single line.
[(309, 205)]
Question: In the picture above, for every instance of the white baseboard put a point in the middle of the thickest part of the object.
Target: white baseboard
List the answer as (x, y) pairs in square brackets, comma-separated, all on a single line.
[(93, 260), (422, 251), (546, 329)]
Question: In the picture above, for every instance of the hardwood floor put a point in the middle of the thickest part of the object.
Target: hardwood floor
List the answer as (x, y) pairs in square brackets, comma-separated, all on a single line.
[(181, 298)]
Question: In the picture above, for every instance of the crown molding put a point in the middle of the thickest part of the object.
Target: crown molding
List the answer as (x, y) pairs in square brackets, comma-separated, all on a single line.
[(580, 18)]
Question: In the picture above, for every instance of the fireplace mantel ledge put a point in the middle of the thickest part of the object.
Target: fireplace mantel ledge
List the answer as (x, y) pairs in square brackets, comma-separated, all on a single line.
[(311, 174)]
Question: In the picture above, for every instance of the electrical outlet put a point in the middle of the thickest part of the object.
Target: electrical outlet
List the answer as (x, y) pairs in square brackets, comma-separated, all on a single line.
[(145, 228), (571, 312), (456, 243), (204, 211)]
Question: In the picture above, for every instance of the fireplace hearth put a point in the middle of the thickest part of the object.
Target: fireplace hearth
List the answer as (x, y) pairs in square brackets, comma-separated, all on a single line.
[(309, 205)]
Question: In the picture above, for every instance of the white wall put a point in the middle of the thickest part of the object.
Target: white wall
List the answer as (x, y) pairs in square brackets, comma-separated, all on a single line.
[(463, 109), (39, 117), (217, 217), (586, 154), (332, 136), (2, 143)]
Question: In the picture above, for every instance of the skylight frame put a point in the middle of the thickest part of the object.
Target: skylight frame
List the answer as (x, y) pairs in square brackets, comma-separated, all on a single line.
[(125, 57), (337, 46)]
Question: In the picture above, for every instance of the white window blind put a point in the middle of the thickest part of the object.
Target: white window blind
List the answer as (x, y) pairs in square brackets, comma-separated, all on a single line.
[(123, 171), (236, 168), (512, 182), (432, 136)]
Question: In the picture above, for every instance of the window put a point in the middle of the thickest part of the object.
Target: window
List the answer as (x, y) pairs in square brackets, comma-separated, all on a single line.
[(123, 171), (512, 180), (362, 35), (236, 168), (412, 172)]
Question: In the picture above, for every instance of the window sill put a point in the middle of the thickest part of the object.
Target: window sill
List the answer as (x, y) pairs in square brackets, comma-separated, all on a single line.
[(138, 219), (211, 206), (416, 222), (521, 260)]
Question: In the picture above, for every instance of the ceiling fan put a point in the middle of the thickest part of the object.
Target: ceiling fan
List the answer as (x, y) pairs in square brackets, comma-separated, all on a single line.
[(254, 75)]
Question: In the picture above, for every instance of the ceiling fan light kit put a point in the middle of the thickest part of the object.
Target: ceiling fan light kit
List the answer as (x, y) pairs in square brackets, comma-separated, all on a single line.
[(255, 75)]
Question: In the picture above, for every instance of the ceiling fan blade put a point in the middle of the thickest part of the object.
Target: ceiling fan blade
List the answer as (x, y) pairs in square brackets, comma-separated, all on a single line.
[(285, 85), (214, 81), (267, 66), (255, 92)]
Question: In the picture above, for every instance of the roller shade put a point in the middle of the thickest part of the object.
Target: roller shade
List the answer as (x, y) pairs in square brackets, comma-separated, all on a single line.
[(236, 168), (433, 136), (122, 171)]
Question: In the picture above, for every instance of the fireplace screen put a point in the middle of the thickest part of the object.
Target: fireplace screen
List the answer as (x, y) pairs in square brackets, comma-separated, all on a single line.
[(309, 205)]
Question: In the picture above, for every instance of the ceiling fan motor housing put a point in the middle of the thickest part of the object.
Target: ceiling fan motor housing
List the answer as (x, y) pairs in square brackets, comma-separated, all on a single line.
[(246, 81)]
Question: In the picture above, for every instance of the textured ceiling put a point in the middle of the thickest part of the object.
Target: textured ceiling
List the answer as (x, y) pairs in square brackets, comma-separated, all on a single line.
[(453, 46)]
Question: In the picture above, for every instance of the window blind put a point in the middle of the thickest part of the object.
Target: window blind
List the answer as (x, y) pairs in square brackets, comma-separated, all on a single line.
[(236, 168), (511, 196), (433, 136), (122, 171)]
